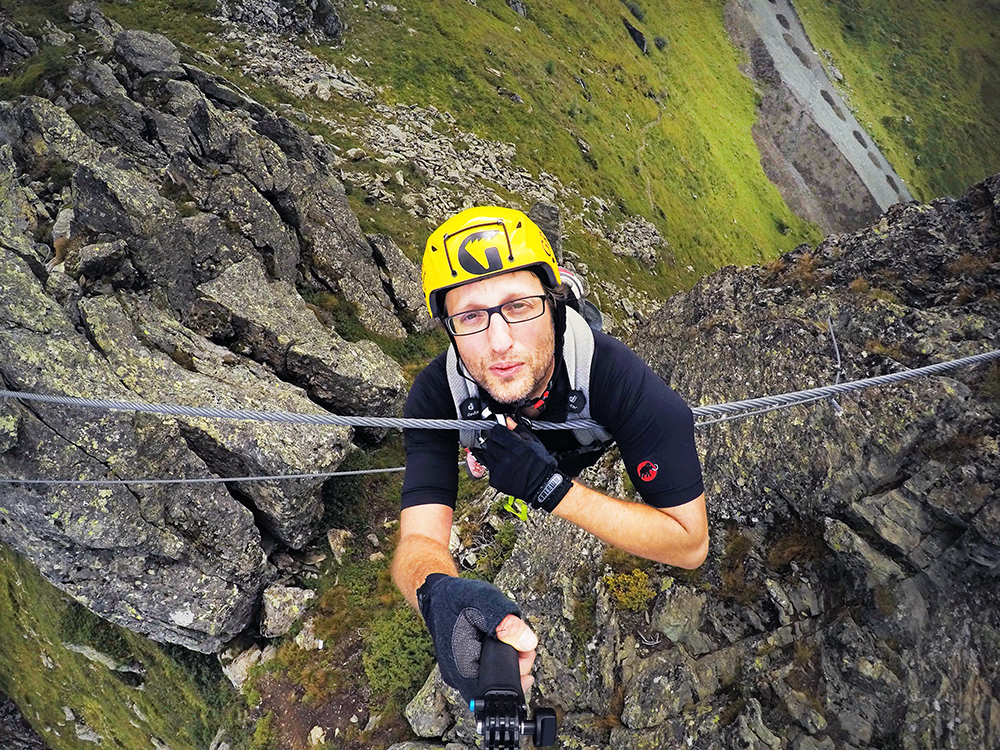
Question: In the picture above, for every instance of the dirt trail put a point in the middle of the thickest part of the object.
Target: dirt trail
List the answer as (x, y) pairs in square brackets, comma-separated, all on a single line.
[(642, 147), (778, 25)]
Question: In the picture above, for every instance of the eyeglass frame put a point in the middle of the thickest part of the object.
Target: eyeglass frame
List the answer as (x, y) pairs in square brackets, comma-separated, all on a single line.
[(496, 309)]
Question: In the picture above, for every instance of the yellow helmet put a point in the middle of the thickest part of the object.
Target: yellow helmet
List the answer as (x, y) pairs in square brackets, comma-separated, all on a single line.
[(480, 242)]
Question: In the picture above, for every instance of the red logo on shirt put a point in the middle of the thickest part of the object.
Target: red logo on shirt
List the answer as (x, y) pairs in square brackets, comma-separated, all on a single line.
[(647, 471)]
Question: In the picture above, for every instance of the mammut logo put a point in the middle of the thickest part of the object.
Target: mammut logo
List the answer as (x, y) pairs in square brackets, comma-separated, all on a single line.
[(492, 253), (647, 471)]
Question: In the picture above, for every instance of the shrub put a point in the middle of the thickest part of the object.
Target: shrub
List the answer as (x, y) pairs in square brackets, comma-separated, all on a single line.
[(635, 10), (265, 736), (735, 584), (991, 383), (661, 43), (860, 285), (50, 63), (805, 272), (398, 652), (968, 265), (631, 591)]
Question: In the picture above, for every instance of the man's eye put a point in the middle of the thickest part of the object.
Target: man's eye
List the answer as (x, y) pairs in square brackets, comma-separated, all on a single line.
[(517, 306), (470, 317)]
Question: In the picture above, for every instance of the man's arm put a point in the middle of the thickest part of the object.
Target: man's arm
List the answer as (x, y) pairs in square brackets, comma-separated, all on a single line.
[(520, 466), (675, 536), (424, 532)]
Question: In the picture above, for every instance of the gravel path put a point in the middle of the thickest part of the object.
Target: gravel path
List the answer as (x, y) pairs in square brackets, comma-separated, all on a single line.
[(778, 25)]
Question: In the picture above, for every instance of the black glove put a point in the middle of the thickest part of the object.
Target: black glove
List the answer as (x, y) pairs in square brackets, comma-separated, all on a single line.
[(522, 467), (459, 613)]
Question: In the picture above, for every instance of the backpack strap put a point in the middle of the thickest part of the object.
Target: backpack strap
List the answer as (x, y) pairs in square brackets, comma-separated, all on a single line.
[(465, 394), (578, 354)]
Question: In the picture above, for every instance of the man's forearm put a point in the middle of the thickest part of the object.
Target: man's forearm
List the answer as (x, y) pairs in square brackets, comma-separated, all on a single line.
[(673, 536), (416, 558)]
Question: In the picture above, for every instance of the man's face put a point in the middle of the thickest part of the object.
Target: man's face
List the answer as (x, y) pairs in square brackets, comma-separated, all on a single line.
[(511, 361)]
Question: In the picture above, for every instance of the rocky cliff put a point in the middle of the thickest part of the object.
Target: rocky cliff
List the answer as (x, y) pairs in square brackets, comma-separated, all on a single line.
[(161, 255), (850, 596), (167, 238)]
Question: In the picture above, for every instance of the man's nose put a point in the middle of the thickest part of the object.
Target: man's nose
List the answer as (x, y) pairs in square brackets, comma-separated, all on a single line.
[(498, 332)]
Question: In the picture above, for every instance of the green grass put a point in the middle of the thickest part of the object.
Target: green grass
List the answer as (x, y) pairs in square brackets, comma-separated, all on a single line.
[(184, 700), (662, 128), (668, 132), (934, 62), (186, 21), (50, 63)]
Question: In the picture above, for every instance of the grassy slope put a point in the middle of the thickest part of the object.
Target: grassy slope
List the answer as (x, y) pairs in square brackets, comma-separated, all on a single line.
[(936, 62), (183, 695), (669, 131)]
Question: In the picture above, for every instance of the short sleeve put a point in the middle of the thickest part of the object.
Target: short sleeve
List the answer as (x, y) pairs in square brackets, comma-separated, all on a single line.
[(431, 455), (652, 425)]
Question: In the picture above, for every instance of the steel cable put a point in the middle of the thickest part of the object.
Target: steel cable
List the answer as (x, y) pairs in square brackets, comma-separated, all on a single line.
[(728, 411)]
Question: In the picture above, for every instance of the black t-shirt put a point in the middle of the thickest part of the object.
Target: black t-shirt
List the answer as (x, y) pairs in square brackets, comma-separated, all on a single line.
[(651, 424)]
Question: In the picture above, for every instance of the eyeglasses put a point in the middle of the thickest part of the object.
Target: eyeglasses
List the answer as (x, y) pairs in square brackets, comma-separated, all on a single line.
[(516, 311)]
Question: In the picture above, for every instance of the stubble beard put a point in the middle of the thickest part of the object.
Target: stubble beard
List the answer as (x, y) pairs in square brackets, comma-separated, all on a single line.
[(532, 375)]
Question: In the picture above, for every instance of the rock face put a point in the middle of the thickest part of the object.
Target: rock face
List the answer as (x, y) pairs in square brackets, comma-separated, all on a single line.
[(15, 732), (850, 594), (156, 253), (315, 18)]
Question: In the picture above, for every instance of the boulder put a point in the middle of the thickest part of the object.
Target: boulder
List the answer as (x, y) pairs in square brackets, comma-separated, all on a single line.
[(161, 361), (548, 217), (179, 567), (283, 606), (296, 17), (15, 731), (401, 281), (145, 54), (519, 7), (273, 325)]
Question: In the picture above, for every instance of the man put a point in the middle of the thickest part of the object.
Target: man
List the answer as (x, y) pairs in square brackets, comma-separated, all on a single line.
[(520, 352)]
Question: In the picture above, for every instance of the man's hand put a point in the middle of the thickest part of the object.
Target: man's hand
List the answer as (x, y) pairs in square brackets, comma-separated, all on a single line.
[(515, 632), (459, 613), (521, 466)]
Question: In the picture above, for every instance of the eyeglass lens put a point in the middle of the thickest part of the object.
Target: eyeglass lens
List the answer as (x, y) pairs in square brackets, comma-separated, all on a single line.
[(515, 311)]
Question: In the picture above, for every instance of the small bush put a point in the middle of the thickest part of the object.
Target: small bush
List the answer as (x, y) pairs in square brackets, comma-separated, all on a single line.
[(795, 543), (584, 625), (265, 736), (968, 265), (991, 383), (885, 296), (398, 653), (885, 600), (635, 10), (661, 43), (631, 591), (805, 272), (550, 68), (51, 63), (81, 626), (880, 348), (735, 584), (495, 554), (860, 285)]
